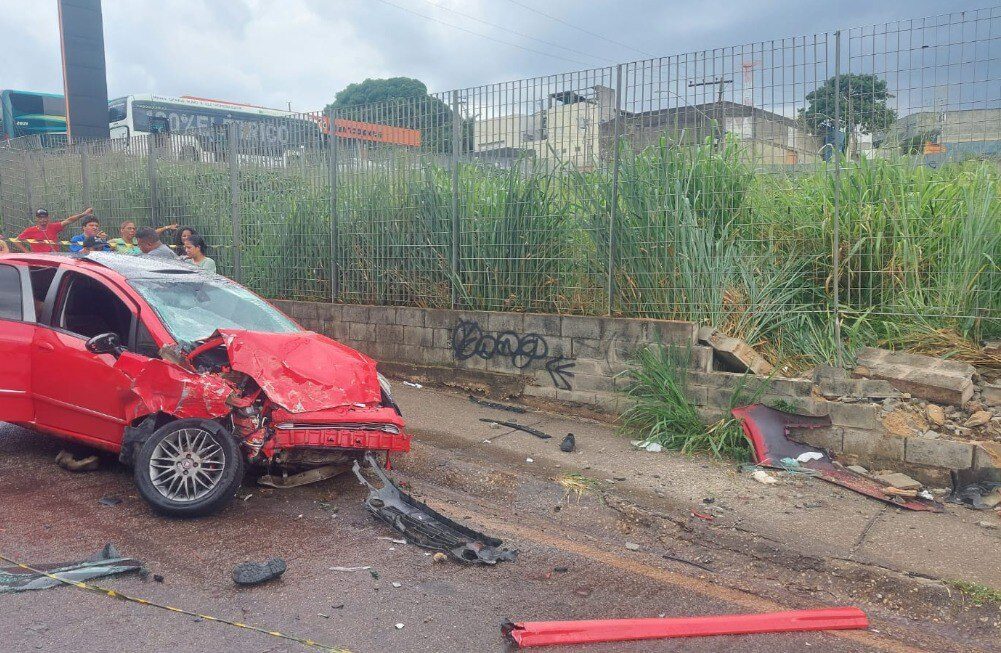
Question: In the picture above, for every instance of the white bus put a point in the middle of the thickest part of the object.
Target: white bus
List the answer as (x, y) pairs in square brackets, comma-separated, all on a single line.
[(196, 127)]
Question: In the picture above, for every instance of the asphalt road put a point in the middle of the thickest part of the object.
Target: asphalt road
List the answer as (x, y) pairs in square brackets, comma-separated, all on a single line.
[(53, 515)]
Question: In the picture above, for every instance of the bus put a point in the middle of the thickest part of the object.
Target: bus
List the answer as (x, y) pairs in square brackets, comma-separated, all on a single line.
[(196, 128), (25, 113)]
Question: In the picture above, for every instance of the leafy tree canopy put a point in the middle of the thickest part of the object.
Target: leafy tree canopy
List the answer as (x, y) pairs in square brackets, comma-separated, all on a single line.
[(863, 104)]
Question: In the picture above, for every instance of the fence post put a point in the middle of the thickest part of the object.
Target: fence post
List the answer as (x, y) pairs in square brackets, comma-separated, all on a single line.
[(335, 268), (154, 189), (233, 154), (85, 174), (836, 263), (614, 209), (456, 144), (28, 195)]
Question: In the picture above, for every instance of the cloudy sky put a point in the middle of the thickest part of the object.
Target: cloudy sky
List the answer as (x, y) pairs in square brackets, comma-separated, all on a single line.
[(273, 52)]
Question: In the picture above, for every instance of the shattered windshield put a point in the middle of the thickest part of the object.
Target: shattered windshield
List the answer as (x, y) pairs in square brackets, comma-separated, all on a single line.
[(193, 309)]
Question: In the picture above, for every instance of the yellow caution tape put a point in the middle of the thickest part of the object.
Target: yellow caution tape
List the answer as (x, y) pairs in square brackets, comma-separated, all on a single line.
[(118, 595), (33, 241)]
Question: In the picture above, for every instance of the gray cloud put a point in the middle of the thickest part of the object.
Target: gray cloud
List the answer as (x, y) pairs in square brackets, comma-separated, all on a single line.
[(303, 51)]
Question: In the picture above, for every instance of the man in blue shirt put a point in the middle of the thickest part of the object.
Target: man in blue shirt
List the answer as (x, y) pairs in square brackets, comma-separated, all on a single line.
[(92, 239)]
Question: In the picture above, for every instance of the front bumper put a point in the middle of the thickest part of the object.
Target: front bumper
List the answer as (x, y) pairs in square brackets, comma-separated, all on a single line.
[(368, 429)]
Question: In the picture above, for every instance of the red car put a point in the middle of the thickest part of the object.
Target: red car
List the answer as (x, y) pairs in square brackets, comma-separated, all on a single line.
[(186, 375)]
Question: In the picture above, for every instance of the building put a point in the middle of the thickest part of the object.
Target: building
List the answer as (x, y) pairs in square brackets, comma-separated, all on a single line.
[(946, 134), (579, 127)]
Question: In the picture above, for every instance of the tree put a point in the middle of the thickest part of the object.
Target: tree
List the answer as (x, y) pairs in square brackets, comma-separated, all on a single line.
[(863, 106), (401, 102)]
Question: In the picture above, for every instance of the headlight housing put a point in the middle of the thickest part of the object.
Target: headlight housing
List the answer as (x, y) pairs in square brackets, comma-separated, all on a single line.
[(384, 383)]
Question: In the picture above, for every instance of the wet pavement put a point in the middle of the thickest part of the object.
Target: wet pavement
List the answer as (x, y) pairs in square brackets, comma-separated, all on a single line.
[(573, 564)]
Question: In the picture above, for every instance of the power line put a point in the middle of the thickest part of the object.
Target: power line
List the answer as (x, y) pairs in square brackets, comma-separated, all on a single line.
[(511, 31), (482, 36), (579, 29)]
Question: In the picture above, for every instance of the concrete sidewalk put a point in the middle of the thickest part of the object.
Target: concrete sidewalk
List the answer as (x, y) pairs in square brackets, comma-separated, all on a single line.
[(803, 515)]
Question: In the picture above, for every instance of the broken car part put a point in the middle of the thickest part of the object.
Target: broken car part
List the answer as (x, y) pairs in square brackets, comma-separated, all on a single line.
[(255, 573), (768, 430), (518, 427), (551, 633), (106, 562), (71, 463), (303, 478), (975, 488), (425, 527), (493, 404)]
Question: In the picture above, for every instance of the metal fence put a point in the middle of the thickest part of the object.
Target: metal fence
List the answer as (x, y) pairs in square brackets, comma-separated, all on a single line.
[(785, 191)]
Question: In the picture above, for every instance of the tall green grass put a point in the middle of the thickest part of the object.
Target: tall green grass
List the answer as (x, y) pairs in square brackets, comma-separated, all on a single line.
[(698, 233)]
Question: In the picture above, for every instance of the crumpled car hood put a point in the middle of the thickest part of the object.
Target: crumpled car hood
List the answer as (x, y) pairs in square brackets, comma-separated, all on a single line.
[(304, 371)]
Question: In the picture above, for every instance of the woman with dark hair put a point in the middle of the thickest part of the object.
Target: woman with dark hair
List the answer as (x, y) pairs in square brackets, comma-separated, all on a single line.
[(196, 249), (180, 236)]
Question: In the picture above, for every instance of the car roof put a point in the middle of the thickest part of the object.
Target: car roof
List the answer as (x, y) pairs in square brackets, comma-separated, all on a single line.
[(128, 267)]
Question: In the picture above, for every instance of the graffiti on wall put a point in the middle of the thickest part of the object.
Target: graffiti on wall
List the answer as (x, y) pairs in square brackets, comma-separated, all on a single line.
[(520, 350)]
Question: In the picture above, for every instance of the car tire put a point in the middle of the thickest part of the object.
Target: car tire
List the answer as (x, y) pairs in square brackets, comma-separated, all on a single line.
[(189, 468)]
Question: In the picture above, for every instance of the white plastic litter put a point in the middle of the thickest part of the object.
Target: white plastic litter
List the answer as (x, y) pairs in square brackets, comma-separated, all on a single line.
[(412, 385), (807, 456), (654, 447), (761, 476), (529, 460), (350, 568)]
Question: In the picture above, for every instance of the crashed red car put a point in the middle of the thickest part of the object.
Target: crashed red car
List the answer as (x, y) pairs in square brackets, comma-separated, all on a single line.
[(188, 376)]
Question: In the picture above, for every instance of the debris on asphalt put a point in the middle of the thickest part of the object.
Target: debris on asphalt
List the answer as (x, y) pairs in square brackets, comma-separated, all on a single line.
[(647, 445), (439, 557), (569, 443), (106, 562), (518, 427), (547, 633), (576, 485), (992, 526), (397, 584), (768, 431), (632, 546), (391, 539), (498, 406), (399, 626), (109, 501), (807, 456), (561, 570), (978, 489), (761, 476), (307, 477), (702, 516), (157, 578), (71, 463), (365, 568), (255, 573), (411, 384), (898, 480), (529, 460), (425, 527)]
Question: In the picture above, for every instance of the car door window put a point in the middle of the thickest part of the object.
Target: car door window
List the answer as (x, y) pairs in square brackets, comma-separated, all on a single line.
[(41, 278), (88, 308), (11, 305)]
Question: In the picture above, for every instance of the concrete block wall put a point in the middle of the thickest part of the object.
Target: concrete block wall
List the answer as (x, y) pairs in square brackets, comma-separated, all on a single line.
[(578, 359), (561, 358)]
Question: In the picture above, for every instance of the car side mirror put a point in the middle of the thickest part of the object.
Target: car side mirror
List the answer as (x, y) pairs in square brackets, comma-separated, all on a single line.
[(105, 343)]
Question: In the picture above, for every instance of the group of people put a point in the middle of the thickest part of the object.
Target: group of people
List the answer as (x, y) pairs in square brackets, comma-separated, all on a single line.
[(43, 237)]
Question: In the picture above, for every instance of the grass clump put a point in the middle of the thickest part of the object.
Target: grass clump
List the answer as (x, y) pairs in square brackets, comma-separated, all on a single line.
[(978, 593), (575, 485), (662, 411)]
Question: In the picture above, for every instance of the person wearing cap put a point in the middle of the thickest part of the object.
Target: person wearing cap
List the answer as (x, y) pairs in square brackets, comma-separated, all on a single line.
[(47, 231)]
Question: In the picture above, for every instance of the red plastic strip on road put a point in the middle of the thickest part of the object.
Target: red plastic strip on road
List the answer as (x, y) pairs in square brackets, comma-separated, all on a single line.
[(549, 633)]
